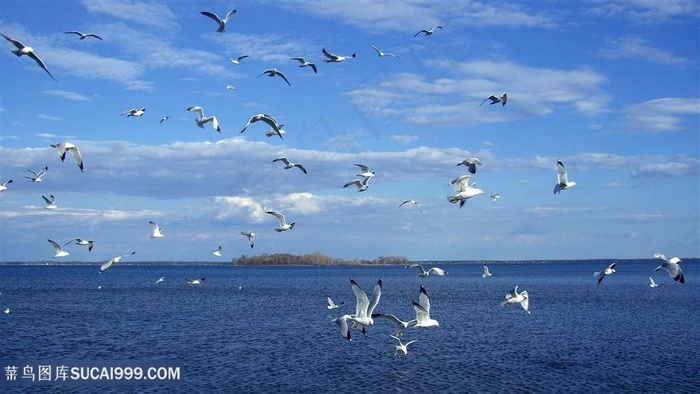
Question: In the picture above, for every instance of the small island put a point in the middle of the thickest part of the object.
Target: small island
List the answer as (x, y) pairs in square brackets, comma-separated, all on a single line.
[(316, 259)]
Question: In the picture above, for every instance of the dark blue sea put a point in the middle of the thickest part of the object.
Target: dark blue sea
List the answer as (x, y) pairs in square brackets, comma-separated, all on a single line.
[(267, 329)]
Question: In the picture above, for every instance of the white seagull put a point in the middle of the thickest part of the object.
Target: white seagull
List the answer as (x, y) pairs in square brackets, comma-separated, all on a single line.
[(495, 197), (400, 324), (50, 202), (380, 53), (222, 23), (414, 202), (238, 59), (271, 132), (422, 308), (29, 51), (652, 283), (517, 298), (464, 190), (364, 171), (113, 261), (486, 273), (331, 304), (271, 72), (195, 281), (164, 118), (217, 251), (269, 120), (82, 242), (671, 265), (6, 311), (230, 87), (424, 274), (304, 63), (202, 120), (284, 226), (401, 347), (71, 148), (496, 99), (289, 164), (602, 274), (428, 32), (3, 186), (156, 233), (251, 237), (470, 163), (364, 307), (361, 185), (83, 35), (135, 112), (57, 248), (161, 279), (37, 175), (562, 180), (331, 58)]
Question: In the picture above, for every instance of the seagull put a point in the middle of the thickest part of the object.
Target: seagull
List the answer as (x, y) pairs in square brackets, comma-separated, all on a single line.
[(64, 147), (517, 298), (331, 304), (289, 164), (652, 283), (83, 36), (424, 274), (414, 202), (59, 252), (157, 233), (113, 261), (331, 58), (400, 324), (238, 59), (269, 120), (217, 252), (222, 23), (271, 72), (602, 274), (195, 281), (230, 87), (135, 112), (3, 186), (164, 118), (495, 197), (29, 51), (251, 237), (470, 163), (364, 307), (82, 242), (304, 63), (428, 32), (562, 181), (486, 273), (202, 120), (364, 171), (380, 53), (161, 279), (496, 99), (284, 226), (361, 185), (671, 265), (402, 347), (271, 132), (50, 202), (422, 308), (464, 190), (6, 311), (37, 175)]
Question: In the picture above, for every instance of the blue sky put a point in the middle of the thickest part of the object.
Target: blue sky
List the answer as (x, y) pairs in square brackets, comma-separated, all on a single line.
[(610, 88)]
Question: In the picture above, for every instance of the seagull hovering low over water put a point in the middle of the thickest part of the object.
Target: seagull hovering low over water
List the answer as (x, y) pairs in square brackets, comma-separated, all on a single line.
[(251, 237), (82, 242), (195, 281), (57, 248), (331, 58), (486, 273), (521, 298), (364, 171), (424, 274), (164, 118), (652, 283), (238, 59), (401, 347), (50, 202), (156, 233), (289, 164), (332, 305), (29, 51), (221, 22), (495, 197), (113, 261), (137, 112), (217, 251), (422, 308), (71, 148), (304, 63), (428, 32), (470, 163), (400, 324), (3, 186), (271, 72), (382, 54), (37, 175), (464, 190), (602, 274), (496, 99), (364, 306), (562, 179), (269, 120), (83, 35), (6, 311), (160, 280), (201, 120), (284, 226), (361, 185), (414, 202), (671, 265)]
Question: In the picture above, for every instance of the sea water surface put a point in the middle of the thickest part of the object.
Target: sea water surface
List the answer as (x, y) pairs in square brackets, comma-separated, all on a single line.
[(267, 329)]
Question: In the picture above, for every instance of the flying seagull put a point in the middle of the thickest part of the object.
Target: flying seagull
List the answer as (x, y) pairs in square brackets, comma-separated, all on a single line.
[(222, 23), (57, 248), (671, 265), (361, 185), (304, 63), (470, 163), (284, 226), (401, 347), (422, 308), (496, 99), (495, 197), (3, 186), (331, 304), (238, 59), (82, 35), (428, 32), (602, 274), (71, 148), (195, 281), (82, 242), (156, 233), (380, 53), (37, 175), (464, 190), (160, 280), (562, 180), (271, 132), (271, 72), (424, 274), (164, 118), (217, 251), (652, 283), (251, 237), (331, 58), (29, 51), (363, 308), (230, 87), (414, 202), (272, 122), (134, 112), (202, 120), (113, 261), (486, 273), (50, 202), (364, 171), (517, 298), (400, 324), (289, 164)]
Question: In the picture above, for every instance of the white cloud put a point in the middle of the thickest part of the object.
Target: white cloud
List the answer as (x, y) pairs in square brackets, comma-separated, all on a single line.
[(404, 138), (648, 12), (67, 95), (638, 49), (660, 115), (145, 13)]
